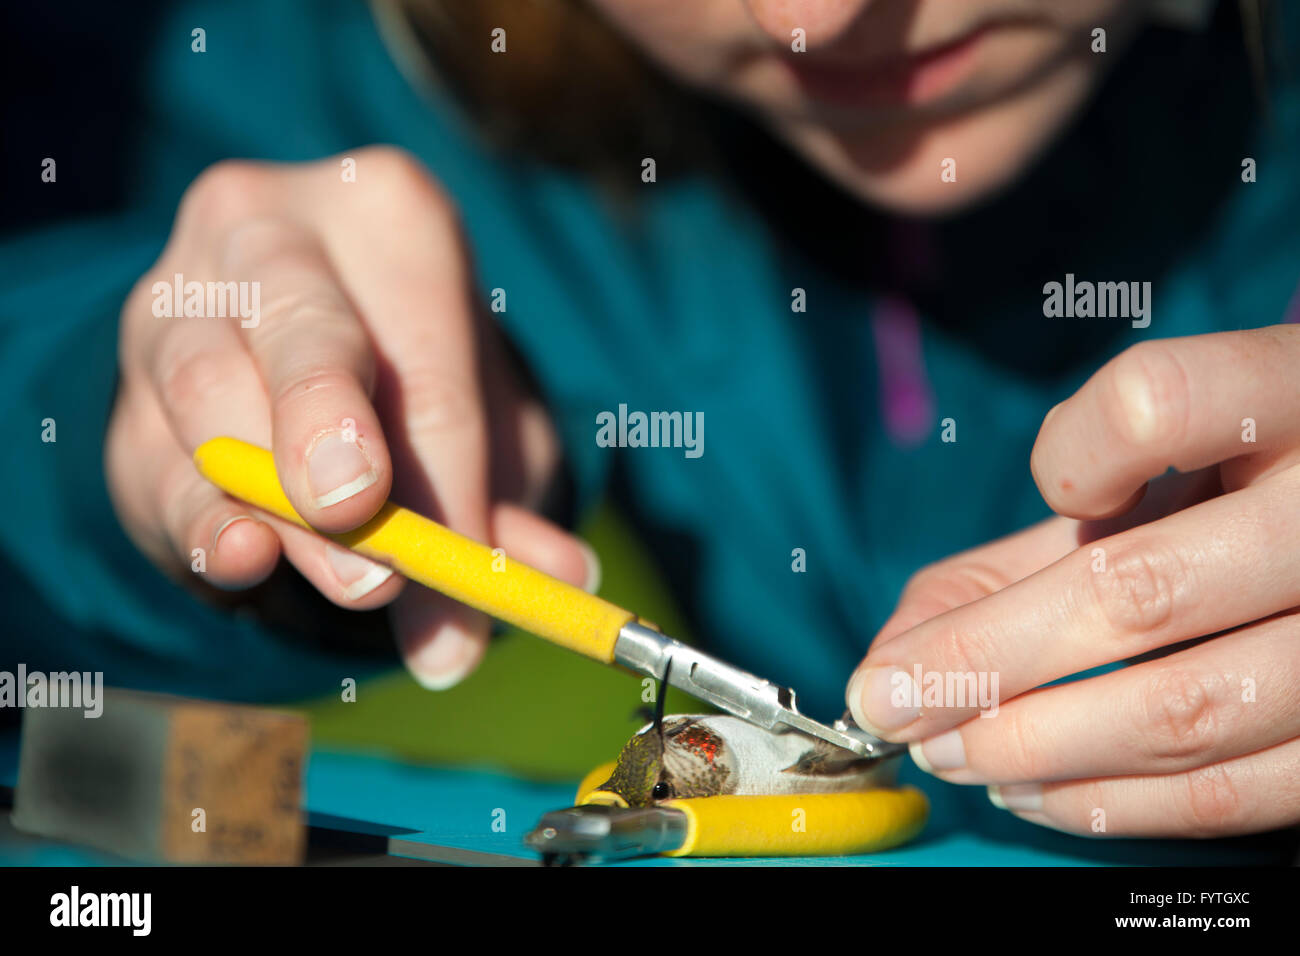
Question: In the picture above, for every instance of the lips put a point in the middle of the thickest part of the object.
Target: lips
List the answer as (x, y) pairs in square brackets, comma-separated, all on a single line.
[(904, 80)]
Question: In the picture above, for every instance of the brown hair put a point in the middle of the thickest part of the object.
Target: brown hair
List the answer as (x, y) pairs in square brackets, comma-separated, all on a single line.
[(573, 90)]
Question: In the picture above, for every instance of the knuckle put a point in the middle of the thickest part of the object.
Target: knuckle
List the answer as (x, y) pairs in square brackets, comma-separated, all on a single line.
[(1138, 590), (1150, 394), (1020, 747), (301, 306), (971, 580), (1212, 801), (309, 338), (265, 242), (310, 380), (1177, 716), (402, 179), (436, 403), (921, 579), (391, 160), (921, 582), (1091, 796), (225, 192), (190, 378), (965, 652), (955, 582)]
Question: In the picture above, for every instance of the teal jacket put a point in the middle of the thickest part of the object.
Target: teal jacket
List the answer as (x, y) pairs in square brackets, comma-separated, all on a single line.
[(824, 429)]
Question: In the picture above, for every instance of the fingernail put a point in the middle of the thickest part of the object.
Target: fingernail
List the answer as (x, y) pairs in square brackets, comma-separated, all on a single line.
[(1019, 797), (358, 576), (944, 752), (337, 469), (447, 659), (882, 699), (221, 528), (592, 584)]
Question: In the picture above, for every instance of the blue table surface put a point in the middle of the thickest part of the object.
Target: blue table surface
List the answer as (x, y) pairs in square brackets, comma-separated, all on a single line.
[(489, 812)]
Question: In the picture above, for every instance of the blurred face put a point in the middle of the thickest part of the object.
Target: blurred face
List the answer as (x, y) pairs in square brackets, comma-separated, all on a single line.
[(886, 91)]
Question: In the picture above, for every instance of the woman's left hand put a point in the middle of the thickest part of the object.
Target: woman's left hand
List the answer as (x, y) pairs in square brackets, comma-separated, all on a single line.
[(1195, 739)]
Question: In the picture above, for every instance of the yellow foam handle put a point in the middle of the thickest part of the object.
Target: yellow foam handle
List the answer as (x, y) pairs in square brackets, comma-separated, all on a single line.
[(436, 557), (812, 824)]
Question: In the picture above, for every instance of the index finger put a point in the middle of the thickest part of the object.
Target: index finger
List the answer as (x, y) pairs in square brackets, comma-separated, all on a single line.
[(1158, 584)]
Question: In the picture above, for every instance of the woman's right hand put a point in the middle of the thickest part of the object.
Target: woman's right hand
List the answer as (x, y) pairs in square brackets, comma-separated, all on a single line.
[(369, 369)]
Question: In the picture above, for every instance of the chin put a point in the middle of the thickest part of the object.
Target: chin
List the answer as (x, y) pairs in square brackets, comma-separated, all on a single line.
[(899, 166), (909, 183)]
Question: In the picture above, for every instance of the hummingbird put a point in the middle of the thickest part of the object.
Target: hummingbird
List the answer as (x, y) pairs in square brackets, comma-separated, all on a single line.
[(706, 755)]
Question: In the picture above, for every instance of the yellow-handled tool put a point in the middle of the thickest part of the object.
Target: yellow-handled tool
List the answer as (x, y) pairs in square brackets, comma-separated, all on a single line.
[(435, 556), (796, 824)]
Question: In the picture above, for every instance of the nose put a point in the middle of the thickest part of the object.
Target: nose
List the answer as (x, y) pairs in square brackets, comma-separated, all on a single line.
[(823, 21)]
